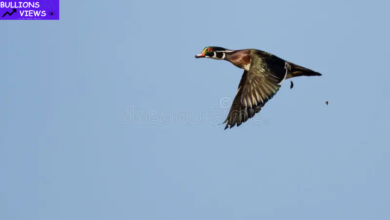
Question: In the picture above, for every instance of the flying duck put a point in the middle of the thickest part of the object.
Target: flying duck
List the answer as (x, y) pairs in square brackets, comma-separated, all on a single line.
[(262, 78)]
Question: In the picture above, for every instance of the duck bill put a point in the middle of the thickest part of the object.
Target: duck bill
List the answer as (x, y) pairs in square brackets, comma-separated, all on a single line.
[(199, 56)]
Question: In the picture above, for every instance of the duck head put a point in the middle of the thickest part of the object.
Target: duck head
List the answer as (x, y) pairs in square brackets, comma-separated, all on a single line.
[(218, 53)]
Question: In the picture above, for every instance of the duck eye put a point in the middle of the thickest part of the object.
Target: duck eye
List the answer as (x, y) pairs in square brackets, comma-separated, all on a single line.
[(209, 49)]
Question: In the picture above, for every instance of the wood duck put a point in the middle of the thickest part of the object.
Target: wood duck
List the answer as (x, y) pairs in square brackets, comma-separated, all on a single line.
[(262, 78)]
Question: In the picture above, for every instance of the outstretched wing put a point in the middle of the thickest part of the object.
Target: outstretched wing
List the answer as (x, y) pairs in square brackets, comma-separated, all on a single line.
[(256, 88)]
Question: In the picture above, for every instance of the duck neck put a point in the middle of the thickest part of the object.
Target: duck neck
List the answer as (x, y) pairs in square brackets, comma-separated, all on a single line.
[(228, 55)]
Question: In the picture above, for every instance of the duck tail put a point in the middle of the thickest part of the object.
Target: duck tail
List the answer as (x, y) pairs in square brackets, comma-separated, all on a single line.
[(297, 70)]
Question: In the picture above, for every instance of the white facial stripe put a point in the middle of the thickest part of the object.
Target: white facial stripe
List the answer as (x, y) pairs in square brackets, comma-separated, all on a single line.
[(224, 51), (219, 51)]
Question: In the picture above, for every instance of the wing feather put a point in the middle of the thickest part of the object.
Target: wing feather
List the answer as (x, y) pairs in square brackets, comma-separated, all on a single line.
[(256, 88)]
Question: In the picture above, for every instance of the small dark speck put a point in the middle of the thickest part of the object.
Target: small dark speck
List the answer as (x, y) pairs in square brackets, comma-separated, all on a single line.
[(292, 85), (326, 102)]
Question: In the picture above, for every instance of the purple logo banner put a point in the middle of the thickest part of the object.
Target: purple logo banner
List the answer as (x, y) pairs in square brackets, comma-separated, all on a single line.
[(30, 10)]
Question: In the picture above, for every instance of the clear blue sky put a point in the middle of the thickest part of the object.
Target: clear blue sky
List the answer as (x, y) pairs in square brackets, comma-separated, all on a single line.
[(70, 151)]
